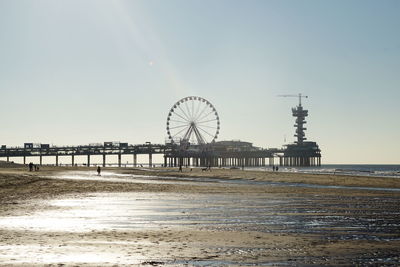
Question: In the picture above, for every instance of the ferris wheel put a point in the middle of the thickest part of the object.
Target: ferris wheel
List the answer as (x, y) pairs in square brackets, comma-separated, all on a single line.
[(193, 120)]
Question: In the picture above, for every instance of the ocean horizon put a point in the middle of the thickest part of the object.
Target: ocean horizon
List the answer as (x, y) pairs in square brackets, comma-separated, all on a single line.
[(374, 170)]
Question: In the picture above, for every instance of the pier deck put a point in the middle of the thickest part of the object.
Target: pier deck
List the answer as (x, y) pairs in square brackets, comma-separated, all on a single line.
[(220, 154)]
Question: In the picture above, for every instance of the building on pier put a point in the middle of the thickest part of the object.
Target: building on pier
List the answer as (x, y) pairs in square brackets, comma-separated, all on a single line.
[(306, 154), (233, 153)]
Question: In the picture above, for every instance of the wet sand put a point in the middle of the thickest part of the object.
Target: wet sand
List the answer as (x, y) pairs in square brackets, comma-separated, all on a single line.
[(224, 217)]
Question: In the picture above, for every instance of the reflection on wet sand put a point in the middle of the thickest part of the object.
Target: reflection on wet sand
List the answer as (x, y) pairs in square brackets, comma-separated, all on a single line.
[(230, 212), (148, 179), (203, 229)]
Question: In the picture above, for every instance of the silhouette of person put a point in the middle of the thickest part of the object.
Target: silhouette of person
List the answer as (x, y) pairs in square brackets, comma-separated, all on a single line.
[(98, 170), (30, 166), (180, 167)]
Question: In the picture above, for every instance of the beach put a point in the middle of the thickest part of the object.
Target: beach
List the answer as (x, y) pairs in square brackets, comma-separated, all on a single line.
[(163, 217)]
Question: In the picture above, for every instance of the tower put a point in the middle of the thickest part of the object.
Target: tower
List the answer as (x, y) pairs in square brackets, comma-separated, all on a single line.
[(300, 114), (302, 153)]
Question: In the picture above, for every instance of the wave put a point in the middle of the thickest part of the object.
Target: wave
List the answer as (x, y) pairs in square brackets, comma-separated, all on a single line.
[(354, 170)]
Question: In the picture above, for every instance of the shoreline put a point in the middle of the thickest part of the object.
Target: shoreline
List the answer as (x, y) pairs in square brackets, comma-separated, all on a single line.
[(273, 176), (283, 179), (260, 174)]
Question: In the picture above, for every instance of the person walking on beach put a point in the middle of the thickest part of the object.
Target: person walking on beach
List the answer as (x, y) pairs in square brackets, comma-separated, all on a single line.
[(30, 166), (98, 170)]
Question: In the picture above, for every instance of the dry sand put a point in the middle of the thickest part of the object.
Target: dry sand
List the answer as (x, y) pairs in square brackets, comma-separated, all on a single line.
[(174, 246)]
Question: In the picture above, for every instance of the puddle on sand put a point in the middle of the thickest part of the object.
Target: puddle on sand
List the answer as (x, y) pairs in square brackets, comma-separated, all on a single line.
[(123, 178)]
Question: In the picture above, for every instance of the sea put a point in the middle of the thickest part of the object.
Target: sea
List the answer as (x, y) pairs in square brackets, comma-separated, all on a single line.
[(374, 170)]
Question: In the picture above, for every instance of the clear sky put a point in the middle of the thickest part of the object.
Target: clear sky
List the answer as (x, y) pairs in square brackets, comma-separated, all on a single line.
[(78, 72)]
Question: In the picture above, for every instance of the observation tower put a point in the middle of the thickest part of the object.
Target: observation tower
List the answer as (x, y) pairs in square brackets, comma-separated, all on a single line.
[(300, 114), (302, 153)]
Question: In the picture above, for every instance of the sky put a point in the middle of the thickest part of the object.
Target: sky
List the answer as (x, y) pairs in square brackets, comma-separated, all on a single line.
[(78, 72)]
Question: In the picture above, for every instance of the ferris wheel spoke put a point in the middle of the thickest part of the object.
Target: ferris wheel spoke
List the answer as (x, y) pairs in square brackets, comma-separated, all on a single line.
[(207, 126), (201, 113), (179, 121), (187, 109), (197, 111), (205, 132), (202, 118), (180, 132), (192, 109), (178, 127), (184, 113), (177, 114), (207, 121)]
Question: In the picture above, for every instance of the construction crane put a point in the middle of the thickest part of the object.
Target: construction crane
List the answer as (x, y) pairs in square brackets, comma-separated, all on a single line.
[(299, 96)]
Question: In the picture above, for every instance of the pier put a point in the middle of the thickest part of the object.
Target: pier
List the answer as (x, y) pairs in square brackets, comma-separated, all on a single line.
[(192, 134), (219, 154)]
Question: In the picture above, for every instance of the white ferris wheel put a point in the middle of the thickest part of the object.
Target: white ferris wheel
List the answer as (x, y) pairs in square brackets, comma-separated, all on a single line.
[(193, 120)]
